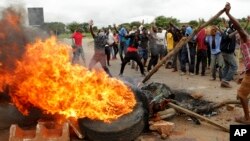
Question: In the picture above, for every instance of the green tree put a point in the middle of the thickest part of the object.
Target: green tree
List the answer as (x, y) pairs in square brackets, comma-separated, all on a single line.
[(73, 26), (84, 26), (125, 25), (217, 21), (193, 23), (201, 21), (135, 23), (147, 25), (243, 20), (162, 21), (56, 27)]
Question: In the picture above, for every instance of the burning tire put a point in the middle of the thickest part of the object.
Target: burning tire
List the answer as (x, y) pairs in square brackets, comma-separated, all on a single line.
[(125, 128), (10, 115)]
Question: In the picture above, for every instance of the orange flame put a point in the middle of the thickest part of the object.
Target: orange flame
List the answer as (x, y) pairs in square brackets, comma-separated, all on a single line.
[(45, 78)]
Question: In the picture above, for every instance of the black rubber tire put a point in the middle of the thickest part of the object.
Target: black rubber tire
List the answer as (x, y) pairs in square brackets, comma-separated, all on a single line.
[(10, 115), (125, 128)]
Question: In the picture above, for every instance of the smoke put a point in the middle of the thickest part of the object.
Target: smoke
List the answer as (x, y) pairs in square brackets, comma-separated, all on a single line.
[(12, 39), (14, 36)]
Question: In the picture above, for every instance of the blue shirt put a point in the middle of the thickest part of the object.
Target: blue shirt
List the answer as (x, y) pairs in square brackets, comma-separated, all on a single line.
[(209, 40), (122, 33)]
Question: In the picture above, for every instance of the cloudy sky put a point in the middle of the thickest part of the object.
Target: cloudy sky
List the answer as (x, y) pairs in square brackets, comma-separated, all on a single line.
[(106, 12)]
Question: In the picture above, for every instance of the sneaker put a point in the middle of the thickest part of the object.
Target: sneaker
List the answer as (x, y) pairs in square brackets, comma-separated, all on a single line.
[(182, 73), (225, 84), (174, 70), (192, 74), (212, 79)]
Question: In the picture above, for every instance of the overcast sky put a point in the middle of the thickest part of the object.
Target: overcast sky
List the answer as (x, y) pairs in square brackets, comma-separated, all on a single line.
[(106, 12)]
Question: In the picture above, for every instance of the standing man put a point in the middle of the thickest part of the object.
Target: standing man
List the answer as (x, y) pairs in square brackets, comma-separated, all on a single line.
[(177, 35), (122, 41), (109, 47), (228, 44), (143, 48), (115, 44), (188, 54), (244, 90), (77, 46), (131, 53), (214, 41), (170, 45), (161, 43), (100, 41), (154, 50), (201, 52)]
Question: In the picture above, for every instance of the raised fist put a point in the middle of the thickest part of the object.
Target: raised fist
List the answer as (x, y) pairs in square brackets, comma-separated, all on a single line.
[(91, 22), (227, 7)]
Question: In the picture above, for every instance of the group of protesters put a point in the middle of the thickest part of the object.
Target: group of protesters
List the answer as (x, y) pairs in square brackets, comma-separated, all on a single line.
[(212, 48)]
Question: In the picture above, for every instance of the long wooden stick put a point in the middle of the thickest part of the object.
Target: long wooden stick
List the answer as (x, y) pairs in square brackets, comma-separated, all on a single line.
[(224, 103), (193, 114), (74, 124), (179, 45)]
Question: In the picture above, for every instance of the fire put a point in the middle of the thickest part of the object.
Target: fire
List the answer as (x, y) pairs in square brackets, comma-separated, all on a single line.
[(41, 75), (45, 78)]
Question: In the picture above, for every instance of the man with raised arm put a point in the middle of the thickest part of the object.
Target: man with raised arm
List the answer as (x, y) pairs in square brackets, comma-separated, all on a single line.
[(244, 90), (100, 40)]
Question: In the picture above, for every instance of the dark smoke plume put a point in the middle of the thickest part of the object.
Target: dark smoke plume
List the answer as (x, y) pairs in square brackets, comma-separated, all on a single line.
[(12, 39)]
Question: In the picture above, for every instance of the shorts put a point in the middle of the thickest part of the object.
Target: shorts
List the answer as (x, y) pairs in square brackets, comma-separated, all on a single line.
[(143, 53), (163, 50), (244, 89)]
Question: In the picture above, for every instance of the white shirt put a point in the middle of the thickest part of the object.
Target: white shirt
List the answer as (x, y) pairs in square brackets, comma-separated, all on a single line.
[(161, 39), (110, 38)]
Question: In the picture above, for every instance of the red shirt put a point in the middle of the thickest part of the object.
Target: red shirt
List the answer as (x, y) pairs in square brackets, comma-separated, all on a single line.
[(201, 40), (131, 49), (77, 36)]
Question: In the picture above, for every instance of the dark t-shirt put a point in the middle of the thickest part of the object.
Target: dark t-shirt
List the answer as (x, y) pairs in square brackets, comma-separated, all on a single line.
[(144, 41), (100, 41), (228, 44), (134, 40)]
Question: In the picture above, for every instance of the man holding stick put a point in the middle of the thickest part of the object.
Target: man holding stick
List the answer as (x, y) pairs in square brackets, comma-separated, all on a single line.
[(244, 89)]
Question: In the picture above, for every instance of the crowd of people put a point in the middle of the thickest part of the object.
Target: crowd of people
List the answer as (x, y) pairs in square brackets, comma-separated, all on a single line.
[(212, 49)]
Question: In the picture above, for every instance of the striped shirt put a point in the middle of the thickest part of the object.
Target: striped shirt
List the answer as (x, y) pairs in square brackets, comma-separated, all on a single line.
[(245, 49)]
